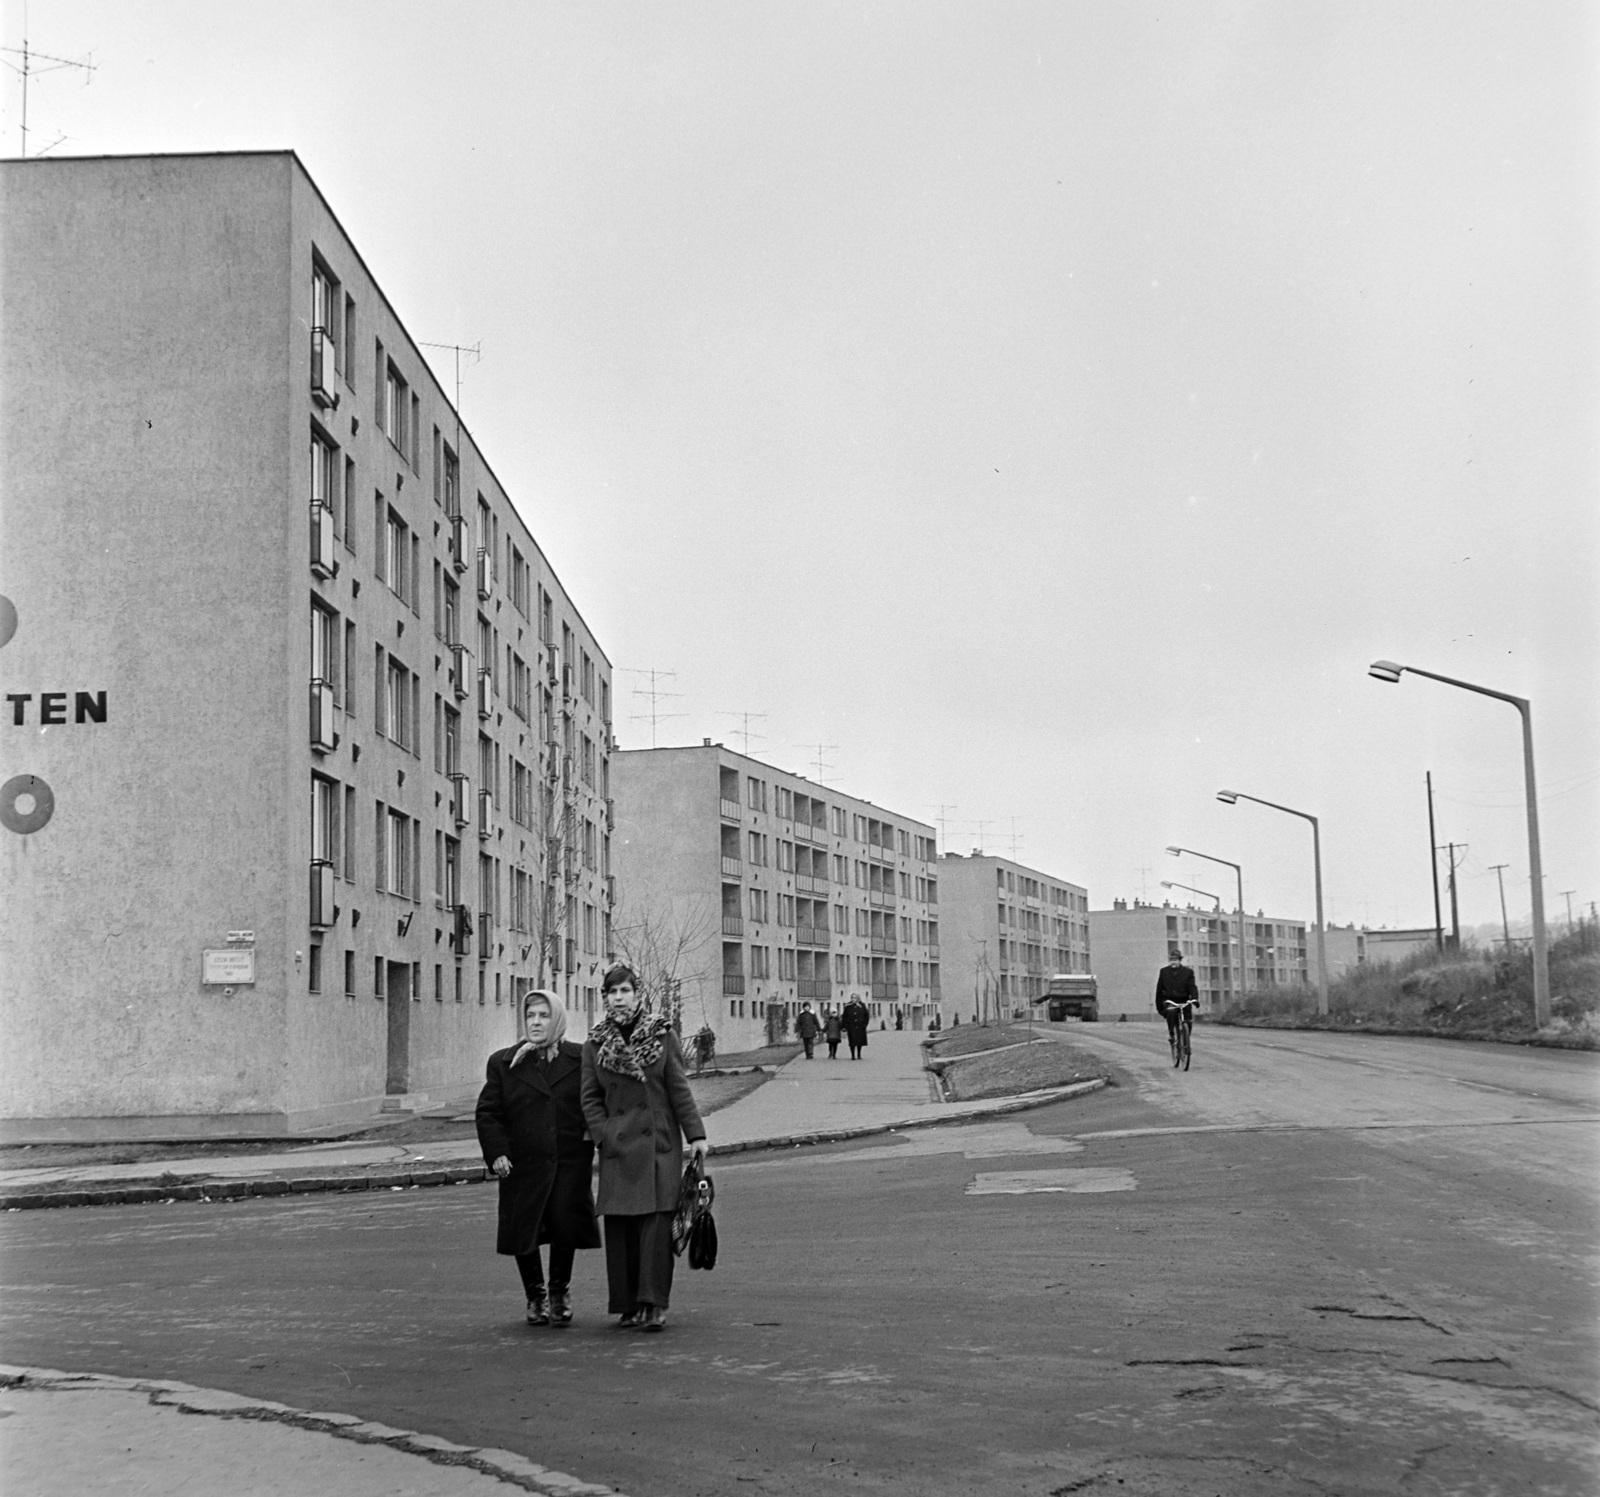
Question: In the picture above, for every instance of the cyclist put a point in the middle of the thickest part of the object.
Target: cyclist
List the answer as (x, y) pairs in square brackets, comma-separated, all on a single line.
[(1175, 986)]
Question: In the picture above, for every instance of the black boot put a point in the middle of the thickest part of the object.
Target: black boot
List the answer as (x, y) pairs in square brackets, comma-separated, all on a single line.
[(560, 1304), (538, 1308)]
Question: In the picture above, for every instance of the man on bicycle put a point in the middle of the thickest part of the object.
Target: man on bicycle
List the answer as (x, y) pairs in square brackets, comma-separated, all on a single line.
[(1175, 986)]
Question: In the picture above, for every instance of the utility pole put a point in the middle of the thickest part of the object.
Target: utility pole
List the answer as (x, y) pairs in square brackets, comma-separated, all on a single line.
[(1433, 868), (1567, 894), (1498, 870), (1455, 909)]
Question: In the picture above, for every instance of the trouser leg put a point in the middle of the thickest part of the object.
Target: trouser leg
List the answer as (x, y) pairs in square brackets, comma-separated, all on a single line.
[(561, 1260), (655, 1259), (622, 1264), (808, 1044)]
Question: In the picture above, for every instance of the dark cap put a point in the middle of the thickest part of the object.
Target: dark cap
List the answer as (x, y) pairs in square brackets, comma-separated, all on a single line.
[(1174, 955)]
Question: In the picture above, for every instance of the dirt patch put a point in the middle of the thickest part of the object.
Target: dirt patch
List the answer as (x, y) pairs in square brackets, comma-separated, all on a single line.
[(969, 1039), (1005, 1073)]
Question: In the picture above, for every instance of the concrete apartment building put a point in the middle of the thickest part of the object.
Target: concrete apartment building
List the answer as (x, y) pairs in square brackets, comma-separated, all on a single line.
[(305, 747), (762, 890), (1007, 928), (1131, 944)]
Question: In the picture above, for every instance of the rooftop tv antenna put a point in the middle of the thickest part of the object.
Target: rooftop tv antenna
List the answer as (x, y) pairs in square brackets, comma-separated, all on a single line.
[(940, 820), (820, 763), (1017, 839), (26, 68), (743, 731), (982, 835), (655, 695), (475, 352)]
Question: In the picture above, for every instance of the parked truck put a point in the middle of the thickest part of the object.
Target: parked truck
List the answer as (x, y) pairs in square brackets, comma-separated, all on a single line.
[(1071, 995)]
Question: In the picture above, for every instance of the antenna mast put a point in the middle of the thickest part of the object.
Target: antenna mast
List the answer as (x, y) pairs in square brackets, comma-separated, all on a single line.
[(27, 69), (655, 695)]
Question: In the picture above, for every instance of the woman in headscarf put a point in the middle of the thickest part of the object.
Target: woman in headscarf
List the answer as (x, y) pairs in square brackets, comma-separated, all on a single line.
[(637, 1103), (532, 1132)]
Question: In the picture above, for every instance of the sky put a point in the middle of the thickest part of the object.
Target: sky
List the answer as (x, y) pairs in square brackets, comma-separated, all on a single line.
[(1047, 409)]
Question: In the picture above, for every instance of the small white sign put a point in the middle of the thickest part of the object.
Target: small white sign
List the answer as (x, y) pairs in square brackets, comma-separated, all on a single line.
[(241, 938), (228, 968)]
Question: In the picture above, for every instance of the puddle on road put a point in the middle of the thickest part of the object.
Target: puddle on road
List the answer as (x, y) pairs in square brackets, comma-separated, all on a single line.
[(1064, 1181)]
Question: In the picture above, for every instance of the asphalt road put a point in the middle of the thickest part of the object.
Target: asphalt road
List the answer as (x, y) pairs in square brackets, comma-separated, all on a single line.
[(1314, 1264)]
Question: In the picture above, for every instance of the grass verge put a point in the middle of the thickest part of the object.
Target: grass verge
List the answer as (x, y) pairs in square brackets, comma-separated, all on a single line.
[(1471, 997), (1006, 1073)]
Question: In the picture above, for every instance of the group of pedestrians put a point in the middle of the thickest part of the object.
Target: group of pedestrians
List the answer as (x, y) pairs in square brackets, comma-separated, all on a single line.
[(546, 1106), (851, 1023)]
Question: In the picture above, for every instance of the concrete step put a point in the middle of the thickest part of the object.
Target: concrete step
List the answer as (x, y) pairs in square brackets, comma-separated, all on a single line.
[(405, 1102)]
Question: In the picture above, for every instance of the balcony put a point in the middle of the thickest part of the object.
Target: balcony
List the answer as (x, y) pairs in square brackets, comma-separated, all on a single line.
[(324, 718), (802, 832), (732, 925), (485, 935), (485, 572), (485, 813), (881, 899), (886, 990), (812, 935), (485, 692), (323, 561), (730, 810), (324, 368), (322, 889), (733, 867), (461, 799), (460, 542), (805, 884), (885, 946), (814, 987), (733, 984), (461, 671), (881, 854)]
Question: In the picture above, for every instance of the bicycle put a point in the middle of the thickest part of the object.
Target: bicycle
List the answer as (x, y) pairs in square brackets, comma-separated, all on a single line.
[(1178, 1035)]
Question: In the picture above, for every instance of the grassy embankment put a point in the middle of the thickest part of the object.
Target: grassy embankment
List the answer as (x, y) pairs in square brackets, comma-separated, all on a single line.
[(979, 1060), (1478, 996)]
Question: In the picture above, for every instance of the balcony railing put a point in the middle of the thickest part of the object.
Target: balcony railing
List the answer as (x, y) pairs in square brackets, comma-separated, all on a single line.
[(805, 884), (733, 984), (814, 987), (733, 867), (730, 810), (322, 894), (812, 935), (885, 945), (886, 990), (882, 854), (882, 898), (732, 925)]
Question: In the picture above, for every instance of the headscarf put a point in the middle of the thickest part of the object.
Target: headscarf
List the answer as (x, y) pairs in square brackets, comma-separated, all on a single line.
[(558, 1025)]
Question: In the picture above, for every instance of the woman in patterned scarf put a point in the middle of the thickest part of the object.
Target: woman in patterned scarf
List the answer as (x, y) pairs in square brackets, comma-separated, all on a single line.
[(637, 1103)]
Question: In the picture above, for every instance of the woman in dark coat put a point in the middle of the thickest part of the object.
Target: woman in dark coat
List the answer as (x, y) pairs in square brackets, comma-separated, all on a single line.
[(639, 1108), (856, 1020), (531, 1130)]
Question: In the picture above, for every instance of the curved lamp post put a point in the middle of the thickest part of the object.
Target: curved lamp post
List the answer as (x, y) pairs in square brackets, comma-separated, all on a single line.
[(1238, 874), (1388, 670), (1230, 797), (1167, 883)]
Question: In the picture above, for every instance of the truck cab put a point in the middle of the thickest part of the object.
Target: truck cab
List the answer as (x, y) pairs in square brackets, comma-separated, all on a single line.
[(1071, 995)]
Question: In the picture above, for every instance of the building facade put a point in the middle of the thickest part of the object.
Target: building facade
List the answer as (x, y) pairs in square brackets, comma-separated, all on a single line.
[(754, 891), (306, 749), (1131, 942), (1008, 928)]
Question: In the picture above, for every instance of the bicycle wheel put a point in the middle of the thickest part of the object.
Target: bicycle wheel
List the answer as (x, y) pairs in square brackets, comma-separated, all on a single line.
[(1183, 1044), (1173, 1043)]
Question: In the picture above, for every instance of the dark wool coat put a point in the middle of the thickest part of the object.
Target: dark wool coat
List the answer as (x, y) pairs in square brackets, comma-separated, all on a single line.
[(640, 1127), (1175, 985), (531, 1113), (856, 1020)]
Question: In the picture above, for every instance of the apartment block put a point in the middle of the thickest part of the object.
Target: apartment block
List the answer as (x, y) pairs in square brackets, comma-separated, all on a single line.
[(1008, 928), (1131, 942), (306, 751), (755, 890)]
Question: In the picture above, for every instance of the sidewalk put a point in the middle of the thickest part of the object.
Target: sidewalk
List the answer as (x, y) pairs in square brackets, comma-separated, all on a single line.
[(806, 1102)]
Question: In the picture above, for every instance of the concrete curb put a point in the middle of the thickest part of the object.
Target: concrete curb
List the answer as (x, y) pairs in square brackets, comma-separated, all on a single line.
[(506, 1465), (221, 1189)]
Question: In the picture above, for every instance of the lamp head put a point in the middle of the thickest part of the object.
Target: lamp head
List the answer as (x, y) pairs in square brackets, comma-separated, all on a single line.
[(1228, 797), (1175, 851), (1385, 670)]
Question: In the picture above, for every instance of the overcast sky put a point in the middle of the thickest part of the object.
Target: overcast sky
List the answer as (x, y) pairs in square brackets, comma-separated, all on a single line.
[(1050, 408)]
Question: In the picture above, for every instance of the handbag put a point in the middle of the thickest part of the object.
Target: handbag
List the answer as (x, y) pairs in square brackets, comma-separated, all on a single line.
[(694, 1229)]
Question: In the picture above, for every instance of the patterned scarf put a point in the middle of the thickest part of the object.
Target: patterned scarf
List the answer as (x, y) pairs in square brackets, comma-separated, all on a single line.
[(628, 1055)]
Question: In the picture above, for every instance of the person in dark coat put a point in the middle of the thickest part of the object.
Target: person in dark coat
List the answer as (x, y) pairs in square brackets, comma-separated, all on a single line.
[(832, 1029), (639, 1109), (806, 1027), (1175, 985), (856, 1020), (533, 1136)]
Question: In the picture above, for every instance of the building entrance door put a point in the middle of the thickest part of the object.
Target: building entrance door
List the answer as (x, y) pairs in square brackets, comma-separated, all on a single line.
[(398, 991)]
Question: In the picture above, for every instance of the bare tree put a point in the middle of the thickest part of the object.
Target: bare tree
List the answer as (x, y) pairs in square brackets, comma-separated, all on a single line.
[(669, 947)]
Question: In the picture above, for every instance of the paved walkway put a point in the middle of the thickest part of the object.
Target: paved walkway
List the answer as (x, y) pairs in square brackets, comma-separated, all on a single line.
[(66, 1433)]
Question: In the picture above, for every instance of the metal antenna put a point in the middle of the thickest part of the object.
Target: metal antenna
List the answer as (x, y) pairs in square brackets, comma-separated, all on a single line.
[(656, 697), (1016, 839), (941, 819), (820, 764), (27, 69), (983, 829), (746, 718)]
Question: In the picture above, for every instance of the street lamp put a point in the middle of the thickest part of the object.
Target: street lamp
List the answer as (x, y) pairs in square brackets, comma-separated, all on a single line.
[(1238, 873), (1232, 797), (1390, 671), (1167, 883)]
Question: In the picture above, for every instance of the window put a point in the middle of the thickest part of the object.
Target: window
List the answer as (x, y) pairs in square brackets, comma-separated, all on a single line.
[(400, 854), (520, 578), (349, 974), (786, 964), (758, 849), (397, 558), (452, 613), (325, 305), (350, 366), (758, 906), (760, 961), (396, 724), (325, 647), (343, 519), (521, 687), (324, 821), (588, 678), (755, 793), (395, 408), (350, 834), (324, 471)]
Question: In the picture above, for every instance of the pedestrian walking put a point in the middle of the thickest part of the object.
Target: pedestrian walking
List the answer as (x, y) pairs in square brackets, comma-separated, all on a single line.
[(639, 1108), (534, 1139), (832, 1029), (806, 1027), (856, 1022)]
